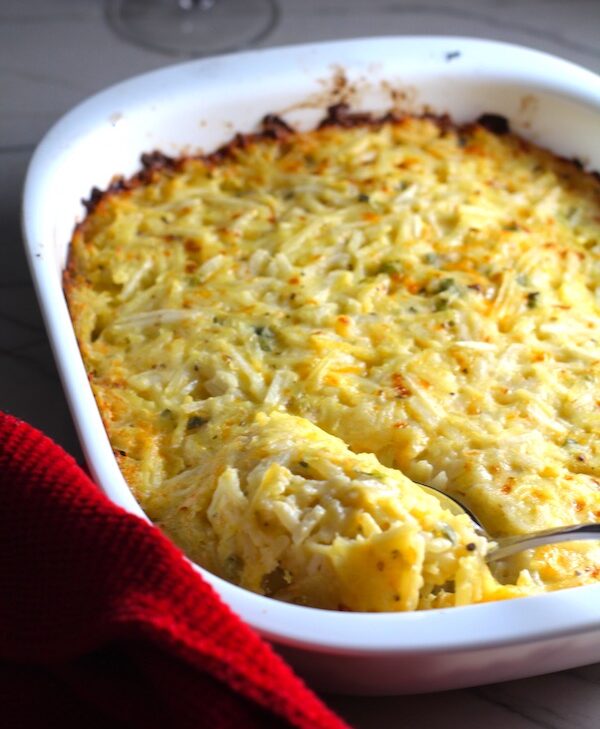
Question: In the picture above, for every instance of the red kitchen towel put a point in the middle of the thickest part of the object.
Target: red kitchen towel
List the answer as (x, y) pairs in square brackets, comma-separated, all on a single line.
[(103, 623)]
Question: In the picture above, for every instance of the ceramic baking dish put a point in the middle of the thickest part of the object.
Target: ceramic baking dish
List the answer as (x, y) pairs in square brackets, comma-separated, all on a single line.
[(199, 105)]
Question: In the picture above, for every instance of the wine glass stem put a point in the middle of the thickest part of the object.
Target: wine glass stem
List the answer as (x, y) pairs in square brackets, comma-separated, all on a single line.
[(192, 4)]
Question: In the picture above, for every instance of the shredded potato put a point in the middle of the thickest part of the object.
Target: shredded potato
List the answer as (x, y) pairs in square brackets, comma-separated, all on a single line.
[(283, 337)]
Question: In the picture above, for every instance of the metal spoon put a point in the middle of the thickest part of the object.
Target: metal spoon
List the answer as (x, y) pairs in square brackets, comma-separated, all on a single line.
[(507, 546)]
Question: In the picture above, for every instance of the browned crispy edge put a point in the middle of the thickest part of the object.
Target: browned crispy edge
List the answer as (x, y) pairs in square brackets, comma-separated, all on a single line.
[(275, 128)]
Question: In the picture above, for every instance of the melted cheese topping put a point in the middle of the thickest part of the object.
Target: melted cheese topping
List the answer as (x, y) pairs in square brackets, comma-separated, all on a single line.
[(282, 339)]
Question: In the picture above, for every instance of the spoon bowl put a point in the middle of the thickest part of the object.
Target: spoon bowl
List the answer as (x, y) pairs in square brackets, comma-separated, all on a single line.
[(507, 546)]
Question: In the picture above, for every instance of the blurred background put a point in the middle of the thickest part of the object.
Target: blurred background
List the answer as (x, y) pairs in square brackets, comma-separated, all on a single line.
[(55, 53)]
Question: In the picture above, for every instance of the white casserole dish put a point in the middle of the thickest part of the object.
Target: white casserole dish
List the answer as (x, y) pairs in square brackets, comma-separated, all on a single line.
[(200, 104)]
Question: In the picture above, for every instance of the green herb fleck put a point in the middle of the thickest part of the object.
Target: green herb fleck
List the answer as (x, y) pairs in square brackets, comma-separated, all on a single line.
[(196, 422), (275, 581), (379, 475), (234, 565), (533, 299), (571, 212), (388, 267), (363, 198), (448, 586), (265, 338), (445, 284), (449, 533)]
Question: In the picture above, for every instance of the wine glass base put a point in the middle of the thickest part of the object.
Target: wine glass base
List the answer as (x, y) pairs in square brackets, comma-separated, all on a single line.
[(192, 28)]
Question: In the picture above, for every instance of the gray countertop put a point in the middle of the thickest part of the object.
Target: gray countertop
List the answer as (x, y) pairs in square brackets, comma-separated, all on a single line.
[(54, 53)]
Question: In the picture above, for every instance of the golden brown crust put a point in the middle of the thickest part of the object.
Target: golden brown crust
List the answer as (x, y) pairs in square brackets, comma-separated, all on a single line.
[(272, 128), (276, 129)]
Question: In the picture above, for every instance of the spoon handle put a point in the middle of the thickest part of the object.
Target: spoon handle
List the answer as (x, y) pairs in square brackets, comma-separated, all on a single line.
[(508, 546)]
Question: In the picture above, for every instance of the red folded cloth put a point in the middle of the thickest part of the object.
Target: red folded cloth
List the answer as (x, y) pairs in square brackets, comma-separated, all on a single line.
[(103, 623)]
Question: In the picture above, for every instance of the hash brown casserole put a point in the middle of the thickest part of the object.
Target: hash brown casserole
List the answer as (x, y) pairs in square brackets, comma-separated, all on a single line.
[(283, 336)]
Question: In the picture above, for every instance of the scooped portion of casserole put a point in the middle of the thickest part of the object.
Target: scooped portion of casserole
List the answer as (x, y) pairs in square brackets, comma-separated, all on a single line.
[(283, 336)]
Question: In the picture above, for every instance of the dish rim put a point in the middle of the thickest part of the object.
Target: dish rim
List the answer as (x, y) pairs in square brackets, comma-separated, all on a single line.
[(474, 627)]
